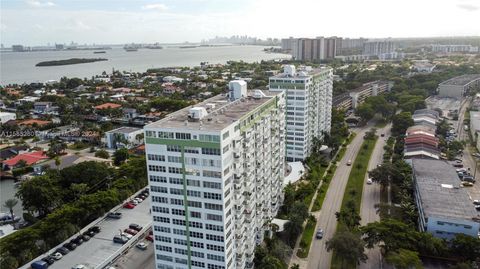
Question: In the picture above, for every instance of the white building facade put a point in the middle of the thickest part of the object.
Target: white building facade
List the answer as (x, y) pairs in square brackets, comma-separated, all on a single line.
[(309, 106), (216, 179)]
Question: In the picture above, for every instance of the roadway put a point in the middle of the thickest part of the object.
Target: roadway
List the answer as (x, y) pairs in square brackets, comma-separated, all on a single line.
[(319, 257), (371, 197), (137, 259)]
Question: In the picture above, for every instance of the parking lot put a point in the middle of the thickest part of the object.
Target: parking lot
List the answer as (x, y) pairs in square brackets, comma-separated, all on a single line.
[(101, 247)]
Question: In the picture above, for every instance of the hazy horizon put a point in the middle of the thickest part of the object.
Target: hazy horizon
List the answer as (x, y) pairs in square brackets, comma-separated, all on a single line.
[(38, 22)]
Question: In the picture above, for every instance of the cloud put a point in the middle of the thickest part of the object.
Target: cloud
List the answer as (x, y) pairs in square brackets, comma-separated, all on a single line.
[(156, 7), (468, 7), (36, 3)]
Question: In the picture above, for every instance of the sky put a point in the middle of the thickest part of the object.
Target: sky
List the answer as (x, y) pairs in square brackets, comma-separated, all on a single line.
[(42, 22)]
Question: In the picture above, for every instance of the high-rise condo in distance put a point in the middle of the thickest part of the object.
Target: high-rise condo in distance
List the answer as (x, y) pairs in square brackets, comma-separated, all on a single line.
[(215, 172), (309, 106)]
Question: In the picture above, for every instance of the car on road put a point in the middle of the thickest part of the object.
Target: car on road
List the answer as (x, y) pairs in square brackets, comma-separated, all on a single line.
[(319, 234), (382, 135), (476, 202), (80, 266), (476, 154), (130, 231), (129, 205), (369, 181), (56, 255), (149, 238), (142, 246), (39, 265), (62, 250), (349, 162), (114, 215), (120, 239), (477, 207), (135, 227)]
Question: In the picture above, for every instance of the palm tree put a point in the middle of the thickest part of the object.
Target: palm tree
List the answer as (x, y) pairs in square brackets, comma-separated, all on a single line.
[(10, 204)]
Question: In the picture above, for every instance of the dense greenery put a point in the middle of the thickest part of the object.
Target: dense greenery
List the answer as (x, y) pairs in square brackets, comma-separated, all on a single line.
[(66, 201), (70, 61)]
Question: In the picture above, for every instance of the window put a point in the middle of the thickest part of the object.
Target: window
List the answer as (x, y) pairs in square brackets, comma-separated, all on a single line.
[(160, 209), (225, 149), (212, 163), (179, 260), (191, 161), (155, 157), (176, 191), (183, 136), (209, 138), (214, 266), (225, 135), (214, 217), (154, 178), (161, 229), (166, 135), (163, 239), (195, 204), (215, 257), (174, 180), (179, 232), (215, 248), (165, 258), (158, 189), (193, 182), (161, 219), (178, 222), (198, 264), (196, 234), (213, 206), (174, 170), (210, 151), (195, 214), (194, 193), (179, 212), (150, 134), (159, 199), (163, 248), (195, 224), (174, 201), (213, 227), (174, 148), (156, 168), (191, 150), (212, 185), (174, 159), (214, 237), (207, 173), (214, 196)]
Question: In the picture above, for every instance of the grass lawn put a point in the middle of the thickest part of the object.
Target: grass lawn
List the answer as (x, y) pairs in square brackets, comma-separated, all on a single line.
[(307, 237), (354, 188), (78, 146)]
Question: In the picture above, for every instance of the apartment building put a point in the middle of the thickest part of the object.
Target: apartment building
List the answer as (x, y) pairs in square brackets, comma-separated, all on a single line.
[(458, 87), (311, 49), (368, 89), (309, 106), (378, 48), (215, 174)]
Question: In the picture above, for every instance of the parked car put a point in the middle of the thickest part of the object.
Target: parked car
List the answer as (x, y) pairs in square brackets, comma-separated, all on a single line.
[(457, 165), (71, 246), (48, 260), (89, 233), (149, 238), (134, 202), (135, 227), (476, 202), (469, 179), (56, 255), (95, 229), (142, 246), (349, 162), (477, 207), (39, 265), (119, 239), (382, 135), (85, 237), (62, 250), (138, 200), (129, 205), (128, 236), (80, 266), (114, 215), (130, 231), (319, 234), (467, 184), (77, 241), (369, 181)]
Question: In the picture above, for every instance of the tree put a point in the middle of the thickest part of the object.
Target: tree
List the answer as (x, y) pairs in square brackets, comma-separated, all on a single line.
[(39, 194), (401, 122), (56, 148), (404, 259), (382, 174), (349, 216), (466, 247), (102, 154), (347, 246), (21, 163), (365, 111), (120, 156), (57, 162), (292, 229), (10, 204)]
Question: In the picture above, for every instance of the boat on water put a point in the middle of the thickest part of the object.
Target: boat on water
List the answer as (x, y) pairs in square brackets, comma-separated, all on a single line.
[(101, 51), (131, 49), (155, 46), (187, 47)]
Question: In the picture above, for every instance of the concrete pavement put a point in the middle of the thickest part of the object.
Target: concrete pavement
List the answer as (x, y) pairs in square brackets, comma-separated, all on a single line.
[(319, 257), (371, 197)]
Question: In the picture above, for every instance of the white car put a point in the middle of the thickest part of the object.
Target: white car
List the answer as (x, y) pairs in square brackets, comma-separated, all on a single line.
[(80, 266), (142, 246), (476, 202), (57, 256), (369, 181), (128, 236), (135, 202), (139, 200)]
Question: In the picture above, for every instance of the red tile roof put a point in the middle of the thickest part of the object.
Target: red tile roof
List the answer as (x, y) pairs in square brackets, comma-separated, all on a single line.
[(33, 121), (30, 158), (108, 105)]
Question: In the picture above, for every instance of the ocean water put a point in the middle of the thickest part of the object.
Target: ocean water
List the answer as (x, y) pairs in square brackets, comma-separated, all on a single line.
[(19, 67)]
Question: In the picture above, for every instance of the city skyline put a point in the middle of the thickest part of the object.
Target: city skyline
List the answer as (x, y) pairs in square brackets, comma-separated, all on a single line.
[(38, 22)]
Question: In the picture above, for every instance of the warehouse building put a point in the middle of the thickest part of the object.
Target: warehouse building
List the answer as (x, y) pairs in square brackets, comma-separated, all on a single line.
[(457, 87)]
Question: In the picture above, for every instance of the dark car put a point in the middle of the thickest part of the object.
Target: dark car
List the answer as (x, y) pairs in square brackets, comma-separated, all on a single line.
[(95, 229), (85, 237), (89, 233), (77, 241), (62, 250), (114, 215), (71, 246), (135, 227), (131, 231), (48, 260), (468, 179), (319, 234)]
